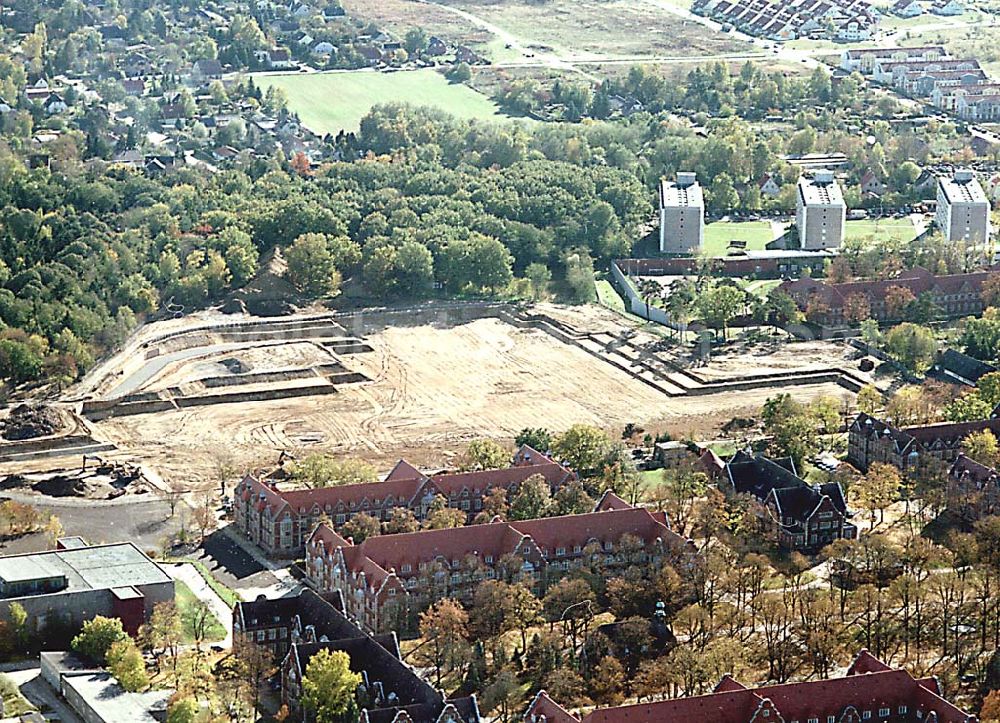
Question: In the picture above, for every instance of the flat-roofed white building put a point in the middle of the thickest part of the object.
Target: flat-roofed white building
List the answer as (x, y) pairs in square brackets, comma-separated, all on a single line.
[(963, 210), (820, 212), (682, 215)]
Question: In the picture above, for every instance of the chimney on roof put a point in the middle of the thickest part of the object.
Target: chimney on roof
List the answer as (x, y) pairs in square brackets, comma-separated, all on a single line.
[(686, 178)]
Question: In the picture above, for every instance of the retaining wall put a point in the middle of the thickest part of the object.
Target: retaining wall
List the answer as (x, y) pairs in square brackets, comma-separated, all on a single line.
[(258, 395)]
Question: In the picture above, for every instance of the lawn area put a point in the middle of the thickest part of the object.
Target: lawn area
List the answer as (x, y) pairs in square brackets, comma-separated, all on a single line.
[(331, 102), (608, 297), (228, 595), (757, 234), (185, 600), (760, 287), (888, 229)]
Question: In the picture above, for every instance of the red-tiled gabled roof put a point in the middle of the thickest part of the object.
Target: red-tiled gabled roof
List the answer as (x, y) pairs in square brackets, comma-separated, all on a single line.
[(554, 474), (405, 481), (569, 530), (544, 708), (376, 555), (916, 280), (873, 687), (610, 501), (865, 662), (727, 684)]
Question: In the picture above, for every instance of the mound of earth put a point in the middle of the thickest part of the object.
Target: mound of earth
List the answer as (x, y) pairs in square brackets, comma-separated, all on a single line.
[(13, 481), (88, 488), (27, 422)]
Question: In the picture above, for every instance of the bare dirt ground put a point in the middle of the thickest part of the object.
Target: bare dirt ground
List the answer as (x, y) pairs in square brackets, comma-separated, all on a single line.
[(569, 29), (294, 355), (779, 357), (434, 387)]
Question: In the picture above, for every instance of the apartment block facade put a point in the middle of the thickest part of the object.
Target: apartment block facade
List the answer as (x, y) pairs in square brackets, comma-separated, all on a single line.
[(386, 580), (682, 215), (820, 212), (279, 521)]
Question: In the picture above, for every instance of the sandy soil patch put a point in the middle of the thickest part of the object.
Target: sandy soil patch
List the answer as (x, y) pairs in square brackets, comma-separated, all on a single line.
[(433, 388)]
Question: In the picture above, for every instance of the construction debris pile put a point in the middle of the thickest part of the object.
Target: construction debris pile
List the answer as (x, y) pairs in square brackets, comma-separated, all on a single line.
[(28, 422)]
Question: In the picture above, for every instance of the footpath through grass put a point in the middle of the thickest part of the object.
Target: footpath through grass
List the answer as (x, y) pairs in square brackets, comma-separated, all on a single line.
[(231, 597), (331, 102)]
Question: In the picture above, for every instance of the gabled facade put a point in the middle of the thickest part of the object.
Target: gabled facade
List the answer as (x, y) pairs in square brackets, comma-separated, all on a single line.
[(973, 490), (872, 440), (953, 295), (390, 690), (797, 515), (386, 580), (279, 521), (871, 692)]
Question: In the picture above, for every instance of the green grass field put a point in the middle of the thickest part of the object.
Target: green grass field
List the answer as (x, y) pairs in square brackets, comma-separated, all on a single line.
[(757, 234), (607, 296), (760, 287), (901, 229), (331, 102), (185, 600)]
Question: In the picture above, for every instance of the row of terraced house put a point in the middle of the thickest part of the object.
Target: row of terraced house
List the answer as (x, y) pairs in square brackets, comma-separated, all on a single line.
[(279, 521), (957, 85), (783, 20)]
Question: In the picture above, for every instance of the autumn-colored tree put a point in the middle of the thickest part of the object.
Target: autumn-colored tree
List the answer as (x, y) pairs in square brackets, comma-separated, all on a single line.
[(204, 516), (869, 399), (126, 664), (485, 454), (360, 527), (988, 385), (989, 292), (878, 489), (444, 628), (677, 493), (982, 447), (839, 270), (97, 636), (968, 407), (401, 520), (442, 517), (533, 499), (608, 681), (857, 308), (897, 299), (494, 505), (300, 164), (328, 685)]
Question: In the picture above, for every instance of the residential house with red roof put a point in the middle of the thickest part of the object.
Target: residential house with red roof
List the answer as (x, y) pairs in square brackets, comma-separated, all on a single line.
[(386, 580), (953, 295), (872, 440), (279, 521), (871, 691)]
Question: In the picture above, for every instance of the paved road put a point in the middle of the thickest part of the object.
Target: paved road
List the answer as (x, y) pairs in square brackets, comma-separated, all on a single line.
[(141, 376), (189, 575), (144, 520)]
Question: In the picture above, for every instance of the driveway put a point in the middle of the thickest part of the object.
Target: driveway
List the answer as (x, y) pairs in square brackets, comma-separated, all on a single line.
[(187, 573)]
